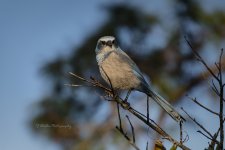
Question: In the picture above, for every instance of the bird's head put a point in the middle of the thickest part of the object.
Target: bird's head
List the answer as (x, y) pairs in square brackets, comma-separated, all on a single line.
[(107, 43)]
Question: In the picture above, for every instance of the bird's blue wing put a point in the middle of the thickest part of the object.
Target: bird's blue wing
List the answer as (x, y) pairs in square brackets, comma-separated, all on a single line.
[(134, 67)]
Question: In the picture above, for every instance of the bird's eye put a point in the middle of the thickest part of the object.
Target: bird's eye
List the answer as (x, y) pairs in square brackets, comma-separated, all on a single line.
[(114, 42), (103, 42)]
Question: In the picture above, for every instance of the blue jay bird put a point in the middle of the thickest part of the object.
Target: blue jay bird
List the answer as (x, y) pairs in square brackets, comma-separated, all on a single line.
[(119, 70)]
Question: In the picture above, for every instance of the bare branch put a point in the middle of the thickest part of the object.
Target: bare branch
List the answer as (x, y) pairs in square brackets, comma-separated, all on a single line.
[(123, 133), (93, 83), (147, 109), (201, 126), (137, 114), (118, 112), (201, 59), (110, 83), (198, 103), (220, 60), (76, 85), (186, 137), (132, 128), (221, 102), (206, 135), (218, 91), (128, 139), (212, 144), (214, 88), (181, 133)]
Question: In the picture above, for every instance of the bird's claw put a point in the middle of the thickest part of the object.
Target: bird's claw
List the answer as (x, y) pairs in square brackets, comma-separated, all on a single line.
[(125, 105)]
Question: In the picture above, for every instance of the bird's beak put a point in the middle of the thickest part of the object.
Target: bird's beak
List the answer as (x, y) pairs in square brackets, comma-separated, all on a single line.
[(109, 43)]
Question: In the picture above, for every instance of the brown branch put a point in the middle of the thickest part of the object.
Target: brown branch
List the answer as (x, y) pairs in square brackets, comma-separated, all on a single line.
[(156, 128), (120, 121), (140, 116)]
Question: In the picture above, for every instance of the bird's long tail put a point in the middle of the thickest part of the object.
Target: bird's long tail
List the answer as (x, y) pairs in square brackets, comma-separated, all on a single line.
[(165, 105)]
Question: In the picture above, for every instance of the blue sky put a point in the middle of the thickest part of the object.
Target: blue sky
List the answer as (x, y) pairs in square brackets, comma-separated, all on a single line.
[(31, 33)]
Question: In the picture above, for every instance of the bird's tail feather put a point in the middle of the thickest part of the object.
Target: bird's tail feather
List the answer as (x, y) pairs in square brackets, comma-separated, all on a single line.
[(166, 106)]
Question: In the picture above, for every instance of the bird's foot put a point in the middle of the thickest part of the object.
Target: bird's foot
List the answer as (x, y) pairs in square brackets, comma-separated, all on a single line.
[(125, 104)]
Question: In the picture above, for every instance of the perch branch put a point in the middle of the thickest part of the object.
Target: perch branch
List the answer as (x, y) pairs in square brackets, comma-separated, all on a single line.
[(140, 116)]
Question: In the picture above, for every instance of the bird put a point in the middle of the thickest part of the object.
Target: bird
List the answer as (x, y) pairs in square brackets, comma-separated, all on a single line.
[(121, 72)]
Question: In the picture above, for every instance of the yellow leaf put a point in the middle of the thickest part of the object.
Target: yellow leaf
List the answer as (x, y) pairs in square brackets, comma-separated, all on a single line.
[(159, 145), (174, 147)]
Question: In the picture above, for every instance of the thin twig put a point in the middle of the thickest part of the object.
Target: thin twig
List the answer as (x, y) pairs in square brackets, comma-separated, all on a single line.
[(128, 139), (220, 61), (212, 144), (196, 122), (123, 133), (95, 84), (151, 125), (77, 85), (219, 79), (221, 103), (140, 113), (206, 136), (209, 110), (217, 132), (200, 59), (147, 109), (118, 112), (181, 133), (214, 88), (110, 83), (186, 138), (132, 128), (120, 121)]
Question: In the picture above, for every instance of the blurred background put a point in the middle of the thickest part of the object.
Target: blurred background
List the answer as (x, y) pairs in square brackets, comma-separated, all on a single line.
[(41, 41)]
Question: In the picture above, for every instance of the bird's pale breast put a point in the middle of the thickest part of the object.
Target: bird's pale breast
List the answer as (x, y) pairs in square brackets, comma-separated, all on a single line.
[(119, 72)]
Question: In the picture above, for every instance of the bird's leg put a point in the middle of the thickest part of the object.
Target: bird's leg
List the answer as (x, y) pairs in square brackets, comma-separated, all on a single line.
[(128, 94)]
